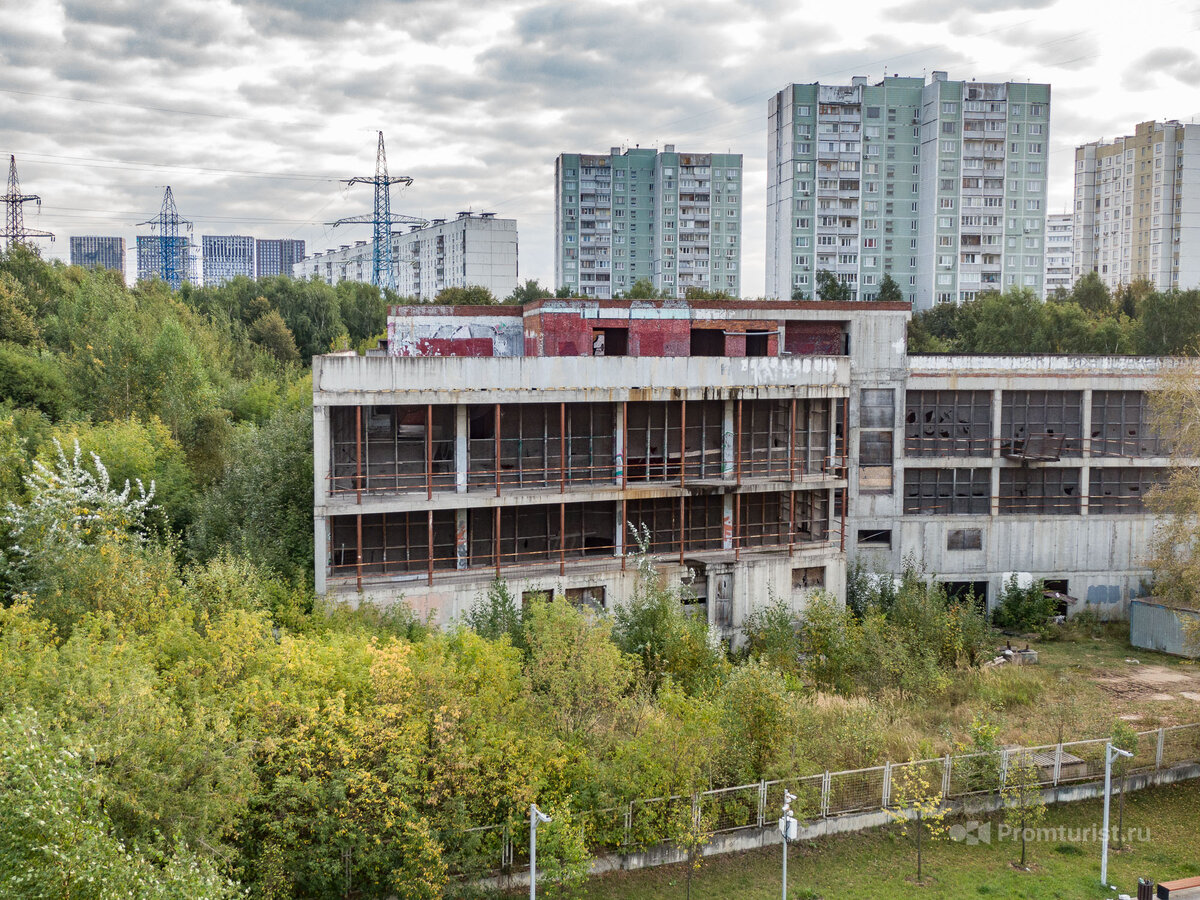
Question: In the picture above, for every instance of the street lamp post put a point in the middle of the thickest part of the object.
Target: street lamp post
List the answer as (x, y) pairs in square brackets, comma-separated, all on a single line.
[(788, 828), (1110, 753), (535, 816)]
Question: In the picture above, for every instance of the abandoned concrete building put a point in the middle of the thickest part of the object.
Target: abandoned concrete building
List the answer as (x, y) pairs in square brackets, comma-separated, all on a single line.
[(756, 445)]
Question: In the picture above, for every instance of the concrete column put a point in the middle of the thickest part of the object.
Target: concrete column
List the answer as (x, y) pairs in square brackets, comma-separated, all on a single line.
[(320, 551), (461, 433), (1085, 432), (462, 548), (619, 453), (321, 471), (727, 438), (727, 522), (996, 433)]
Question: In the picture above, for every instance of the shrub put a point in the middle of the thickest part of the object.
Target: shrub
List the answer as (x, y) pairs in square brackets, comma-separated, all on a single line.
[(1023, 609)]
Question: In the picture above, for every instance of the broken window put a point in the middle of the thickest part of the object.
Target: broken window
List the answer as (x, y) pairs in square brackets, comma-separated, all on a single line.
[(705, 425), (652, 441), (531, 533), (874, 537), (399, 452), (940, 492), (587, 597), (948, 423), (1121, 425), (964, 539), (812, 517), (764, 438), (1121, 490), (876, 411), (1041, 490), (764, 519), (392, 543), (807, 578), (531, 450), (1033, 421)]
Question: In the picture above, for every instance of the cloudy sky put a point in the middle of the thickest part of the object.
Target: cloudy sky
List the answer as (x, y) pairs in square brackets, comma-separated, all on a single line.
[(252, 110)]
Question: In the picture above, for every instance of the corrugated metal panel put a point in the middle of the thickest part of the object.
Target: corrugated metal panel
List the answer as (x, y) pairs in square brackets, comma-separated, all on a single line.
[(1153, 626)]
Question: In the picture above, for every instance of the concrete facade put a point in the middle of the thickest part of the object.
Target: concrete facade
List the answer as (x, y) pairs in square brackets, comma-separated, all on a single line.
[(469, 250), (762, 444), (225, 257), (93, 252), (672, 218), (1137, 207), (276, 256), (941, 185), (1059, 253)]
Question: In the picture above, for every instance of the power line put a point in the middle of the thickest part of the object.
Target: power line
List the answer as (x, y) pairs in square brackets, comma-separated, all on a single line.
[(137, 165)]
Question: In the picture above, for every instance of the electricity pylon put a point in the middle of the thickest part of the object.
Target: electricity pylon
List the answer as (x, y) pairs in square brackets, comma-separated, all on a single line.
[(382, 273), (15, 231), (170, 247)]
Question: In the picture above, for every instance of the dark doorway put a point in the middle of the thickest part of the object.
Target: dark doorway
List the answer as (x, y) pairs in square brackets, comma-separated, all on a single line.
[(610, 342), (756, 343), (708, 342), (961, 591), (1060, 589)]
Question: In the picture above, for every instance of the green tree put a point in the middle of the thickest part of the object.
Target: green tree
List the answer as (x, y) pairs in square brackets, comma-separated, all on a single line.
[(528, 292), (33, 379), (471, 295), (17, 314), (1091, 293), (363, 309), (643, 289), (917, 806), (496, 614), (830, 289), (1126, 738), (889, 291), (1024, 807), (799, 294), (271, 332), (1169, 323), (698, 293)]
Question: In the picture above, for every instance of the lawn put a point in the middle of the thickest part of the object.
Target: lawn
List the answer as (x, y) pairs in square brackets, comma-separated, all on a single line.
[(881, 864)]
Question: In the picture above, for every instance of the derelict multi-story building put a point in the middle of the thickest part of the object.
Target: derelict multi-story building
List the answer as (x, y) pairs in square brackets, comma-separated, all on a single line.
[(96, 252), (940, 185), (1137, 207), (672, 218), (472, 249), (758, 444)]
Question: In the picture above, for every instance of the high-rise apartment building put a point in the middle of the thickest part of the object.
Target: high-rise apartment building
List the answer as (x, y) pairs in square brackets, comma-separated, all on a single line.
[(673, 218), (276, 256), (1059, 253), (1137, 207), (150, 259), (94, 252), (226, 256), (941, 185), (469, 250)]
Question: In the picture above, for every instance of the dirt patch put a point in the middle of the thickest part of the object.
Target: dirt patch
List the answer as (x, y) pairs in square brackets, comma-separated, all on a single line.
[(1153, 683)]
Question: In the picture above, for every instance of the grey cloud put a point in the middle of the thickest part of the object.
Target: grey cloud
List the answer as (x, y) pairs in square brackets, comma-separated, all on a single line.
[(151, 29), (942, 10), (1179, 63)]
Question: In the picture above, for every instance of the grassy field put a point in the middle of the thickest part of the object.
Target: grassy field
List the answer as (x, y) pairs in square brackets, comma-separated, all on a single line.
[(881, 865)]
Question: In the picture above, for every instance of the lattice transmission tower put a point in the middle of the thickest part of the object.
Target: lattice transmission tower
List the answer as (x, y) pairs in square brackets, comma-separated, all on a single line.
[(382, 273), (172, 249), (15, 231)]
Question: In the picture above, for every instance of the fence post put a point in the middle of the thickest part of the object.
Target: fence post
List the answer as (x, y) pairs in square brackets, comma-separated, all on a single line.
[(628, 822), (506, 850), (1003, 769), (825, 795), (887, 785), (696, 808), (946, 776), (762, 802), (1158, 753), (1057, 763)]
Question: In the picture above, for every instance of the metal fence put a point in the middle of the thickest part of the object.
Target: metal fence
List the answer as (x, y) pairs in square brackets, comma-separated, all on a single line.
[(645, 822)]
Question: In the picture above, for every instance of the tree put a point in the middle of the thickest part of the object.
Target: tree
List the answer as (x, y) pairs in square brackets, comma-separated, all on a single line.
[(528, 292), (471, 295), (1091, 293), (917, 806), (799, 295), (889, 291), (830, 289), (496, 614), (363, 309), (698, 293), (643, 289), (1173, 548), (1024, 807), (690, 830)]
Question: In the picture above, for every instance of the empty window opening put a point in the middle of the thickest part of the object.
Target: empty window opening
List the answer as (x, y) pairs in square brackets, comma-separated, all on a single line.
[(652, 441), (756, 343), (1039, 490), (399, 450), (704, 428), (808, 578), (875, 537), (531, 448), (392, 543), (948, 423), (947, 491), (961, 592), (531, 534), (964, 539), (610, 342), (707, 342)]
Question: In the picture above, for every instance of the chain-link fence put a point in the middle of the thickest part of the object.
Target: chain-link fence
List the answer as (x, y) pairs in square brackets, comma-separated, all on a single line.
[(648, 822)]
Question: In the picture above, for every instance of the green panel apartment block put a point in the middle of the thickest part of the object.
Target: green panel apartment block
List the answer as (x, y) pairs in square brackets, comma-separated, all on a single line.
[(940, 185), (673, 218)]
